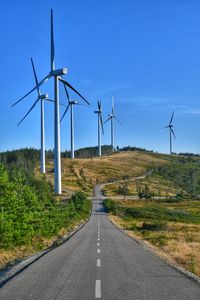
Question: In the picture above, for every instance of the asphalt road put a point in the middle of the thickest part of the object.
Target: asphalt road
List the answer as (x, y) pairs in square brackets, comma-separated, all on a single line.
[(100, 262)]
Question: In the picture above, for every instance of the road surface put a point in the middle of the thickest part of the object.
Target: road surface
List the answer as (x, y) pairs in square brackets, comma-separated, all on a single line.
[(100, 262)]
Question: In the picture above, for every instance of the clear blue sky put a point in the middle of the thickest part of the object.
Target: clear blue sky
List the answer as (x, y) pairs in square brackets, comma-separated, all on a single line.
[(145, 53)]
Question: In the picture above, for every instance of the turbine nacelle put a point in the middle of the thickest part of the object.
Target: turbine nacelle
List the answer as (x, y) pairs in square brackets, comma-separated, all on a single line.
[(44, 96), (58, 72), (73, 102)]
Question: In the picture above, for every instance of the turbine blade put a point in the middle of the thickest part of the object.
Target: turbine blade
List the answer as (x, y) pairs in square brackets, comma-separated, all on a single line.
[(118, 121), (65, 112), (52, 44), (99, 105), (107, 120), (40, 83), (112, 105), (101, 123), (80, 104), (165, 127), (50, 100), (66, 91), (32, 107), (36, 80), (173, 133), (171, 118), (73, 89)]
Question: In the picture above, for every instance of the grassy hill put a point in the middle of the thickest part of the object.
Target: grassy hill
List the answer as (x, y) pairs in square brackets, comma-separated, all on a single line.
[(170, 175), (82, 174)]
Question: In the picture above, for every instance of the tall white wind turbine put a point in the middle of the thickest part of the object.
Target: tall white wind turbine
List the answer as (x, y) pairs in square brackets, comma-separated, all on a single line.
[(111, 118), (100, 125), (71, 106), (57, 74)]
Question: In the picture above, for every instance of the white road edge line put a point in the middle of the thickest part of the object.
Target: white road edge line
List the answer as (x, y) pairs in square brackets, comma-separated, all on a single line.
[(98, 262), (98, 289)]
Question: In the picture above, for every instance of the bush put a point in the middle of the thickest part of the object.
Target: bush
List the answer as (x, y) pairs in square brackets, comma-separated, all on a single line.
[(156, 226), (123, 190), (110, 206), (144, 192)]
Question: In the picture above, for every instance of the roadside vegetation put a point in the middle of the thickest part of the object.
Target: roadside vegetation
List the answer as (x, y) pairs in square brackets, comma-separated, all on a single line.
[(166, 214), (171, 226), (31, 218)]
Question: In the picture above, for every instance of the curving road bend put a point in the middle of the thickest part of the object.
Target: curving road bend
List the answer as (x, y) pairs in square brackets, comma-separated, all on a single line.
[(100, 262)]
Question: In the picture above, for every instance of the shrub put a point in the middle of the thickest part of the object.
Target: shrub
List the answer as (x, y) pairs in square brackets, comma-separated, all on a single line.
[(156, 226), (123, 190)]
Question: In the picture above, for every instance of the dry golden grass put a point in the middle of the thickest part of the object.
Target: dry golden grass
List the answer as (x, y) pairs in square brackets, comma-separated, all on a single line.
[(158, 186), (21, 252), (82, 174)]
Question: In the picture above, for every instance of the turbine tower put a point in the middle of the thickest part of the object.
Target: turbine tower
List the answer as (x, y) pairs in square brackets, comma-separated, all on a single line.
[(111, 117), (71, 106), (41, 98), (171, 132), (100, 125), (57, 74)]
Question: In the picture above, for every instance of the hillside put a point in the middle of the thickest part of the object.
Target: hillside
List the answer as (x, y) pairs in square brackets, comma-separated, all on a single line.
[(82, 174)]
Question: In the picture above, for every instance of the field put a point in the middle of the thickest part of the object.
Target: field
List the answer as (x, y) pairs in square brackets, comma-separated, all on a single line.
[(171, 227)]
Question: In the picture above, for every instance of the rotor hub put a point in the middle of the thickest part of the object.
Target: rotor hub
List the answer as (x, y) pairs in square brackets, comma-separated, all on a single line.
[(73, 102), (59, 72)]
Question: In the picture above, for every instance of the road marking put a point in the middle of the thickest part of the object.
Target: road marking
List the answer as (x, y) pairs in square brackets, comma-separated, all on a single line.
[(98, 251), (98, 225), (98, 244), (98, 262), (98, 239), (98, 289)]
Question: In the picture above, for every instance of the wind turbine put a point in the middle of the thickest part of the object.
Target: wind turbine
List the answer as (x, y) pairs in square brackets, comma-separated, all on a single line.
[(171, 132), (56, 73), (100, 125), (71, 106), (112, 117), (41, 98)]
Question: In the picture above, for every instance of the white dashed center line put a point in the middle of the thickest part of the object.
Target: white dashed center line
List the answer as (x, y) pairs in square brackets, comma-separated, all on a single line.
[(98, 244), (98, 262), (98, 289), (98, 251)]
